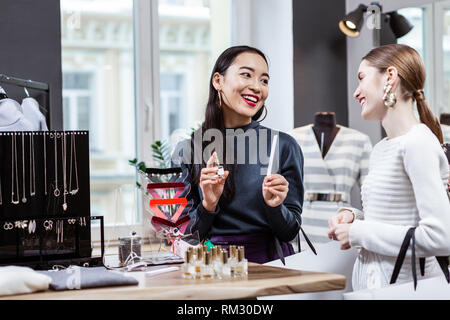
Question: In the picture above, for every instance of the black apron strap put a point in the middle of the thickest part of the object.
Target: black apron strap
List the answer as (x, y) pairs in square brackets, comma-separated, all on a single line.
[(443, 263), (308, 241), (422, 266), (279, 250), (413, 259), (402, 254), (299, 246)]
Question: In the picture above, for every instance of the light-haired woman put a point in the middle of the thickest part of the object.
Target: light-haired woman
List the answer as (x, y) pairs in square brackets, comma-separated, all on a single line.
[(408, 170)]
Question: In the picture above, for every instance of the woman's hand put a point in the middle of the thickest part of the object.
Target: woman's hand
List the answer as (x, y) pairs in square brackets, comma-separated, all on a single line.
[(344, 216), (211, 185), (275, 189), (342, 231)]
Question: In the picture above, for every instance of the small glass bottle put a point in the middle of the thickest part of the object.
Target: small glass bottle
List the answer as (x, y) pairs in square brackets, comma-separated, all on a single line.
[(232, 259), (188, 269), (207, 270), (215, 261), (198, 262), (241, 267), (225, 270)]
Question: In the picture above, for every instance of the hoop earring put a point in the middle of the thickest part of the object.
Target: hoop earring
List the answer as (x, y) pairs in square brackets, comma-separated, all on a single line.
[(389, 97), (220, 99), (265, 115)]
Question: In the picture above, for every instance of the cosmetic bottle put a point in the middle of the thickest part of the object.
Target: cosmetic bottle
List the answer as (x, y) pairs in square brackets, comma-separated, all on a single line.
[(232, 258), (188, 268), (216, 261), (225, 270), (198, 262), (241, 267), (207, 269)]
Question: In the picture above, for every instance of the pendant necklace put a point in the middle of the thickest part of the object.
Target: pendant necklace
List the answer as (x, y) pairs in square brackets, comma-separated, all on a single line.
[(63, 156), (73, 155), (32, 168), (24, 198), (45, 162), (14, 169), (56, 192)]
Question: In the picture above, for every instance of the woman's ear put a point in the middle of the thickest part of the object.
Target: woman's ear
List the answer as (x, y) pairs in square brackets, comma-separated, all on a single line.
[(392, 76), (217, 81)]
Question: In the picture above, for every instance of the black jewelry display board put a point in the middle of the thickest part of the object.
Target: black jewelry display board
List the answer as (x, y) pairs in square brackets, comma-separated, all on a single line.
[(44, 196)]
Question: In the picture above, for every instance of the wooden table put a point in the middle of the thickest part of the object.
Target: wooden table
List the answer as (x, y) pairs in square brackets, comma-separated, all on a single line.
[(261, 281)]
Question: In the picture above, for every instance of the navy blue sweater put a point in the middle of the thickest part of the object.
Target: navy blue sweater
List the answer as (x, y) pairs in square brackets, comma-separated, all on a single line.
[(247, 212)]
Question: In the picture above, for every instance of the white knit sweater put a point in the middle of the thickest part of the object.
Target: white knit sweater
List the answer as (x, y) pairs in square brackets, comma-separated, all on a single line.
[(405, 187)]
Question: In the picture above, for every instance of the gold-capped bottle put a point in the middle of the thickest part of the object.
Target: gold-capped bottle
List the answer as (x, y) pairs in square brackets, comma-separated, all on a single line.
[(188, 268), (241, 267), (225, 270), (198, 262), (232, 258), (207, 270)]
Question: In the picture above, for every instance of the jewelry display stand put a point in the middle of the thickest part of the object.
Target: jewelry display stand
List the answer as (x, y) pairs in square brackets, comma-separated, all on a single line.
[(45, 216)]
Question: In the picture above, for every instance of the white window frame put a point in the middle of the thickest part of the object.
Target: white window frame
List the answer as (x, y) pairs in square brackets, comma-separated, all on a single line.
[(146, 61), (439, 9)]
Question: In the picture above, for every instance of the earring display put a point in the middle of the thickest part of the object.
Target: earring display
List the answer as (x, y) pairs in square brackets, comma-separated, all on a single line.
[(45, 218)]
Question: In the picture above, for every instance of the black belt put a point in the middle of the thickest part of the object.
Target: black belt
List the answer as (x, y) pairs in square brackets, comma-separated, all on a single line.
[(333, 197)]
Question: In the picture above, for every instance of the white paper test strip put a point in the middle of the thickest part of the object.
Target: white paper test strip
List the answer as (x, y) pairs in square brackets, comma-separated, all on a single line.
[(272, 154), (163, 270)]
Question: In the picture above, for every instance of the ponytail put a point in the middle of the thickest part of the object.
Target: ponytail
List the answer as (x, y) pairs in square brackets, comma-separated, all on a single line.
[(426, 116)]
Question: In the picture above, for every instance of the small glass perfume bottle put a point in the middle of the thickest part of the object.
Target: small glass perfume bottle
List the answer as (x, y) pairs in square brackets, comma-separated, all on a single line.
[(207, 270), (225, 270), (198, 262), (188, 268), (241, 267), (232, 259), (220, 170)]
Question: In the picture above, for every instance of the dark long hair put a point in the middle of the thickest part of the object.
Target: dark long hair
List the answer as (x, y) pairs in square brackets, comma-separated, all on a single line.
[(411, 71), (214, 116)]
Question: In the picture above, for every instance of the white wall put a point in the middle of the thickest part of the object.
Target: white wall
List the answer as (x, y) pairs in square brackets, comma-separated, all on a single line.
[(267, 25)]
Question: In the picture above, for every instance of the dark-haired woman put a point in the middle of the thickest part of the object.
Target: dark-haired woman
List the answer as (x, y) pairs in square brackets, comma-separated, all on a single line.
[(408, 170), (244, 206)]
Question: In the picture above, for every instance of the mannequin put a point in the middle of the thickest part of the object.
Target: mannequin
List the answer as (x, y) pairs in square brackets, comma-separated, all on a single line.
[(325, 122), (445, 119), (328, 181)]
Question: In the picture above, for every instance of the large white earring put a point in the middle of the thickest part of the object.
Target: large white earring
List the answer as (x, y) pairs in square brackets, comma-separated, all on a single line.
[(389, 97)]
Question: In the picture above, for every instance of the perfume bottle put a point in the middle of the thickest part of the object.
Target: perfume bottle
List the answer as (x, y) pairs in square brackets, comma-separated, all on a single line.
[(220, 169), (225, 270), (216, 262), (232, 260), (207, 270), (188, 268), (198, 262), (241, 267)]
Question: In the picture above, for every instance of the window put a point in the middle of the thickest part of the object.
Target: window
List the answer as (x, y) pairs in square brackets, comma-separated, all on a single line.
[(99, 96), (192, 33), (445, 42)]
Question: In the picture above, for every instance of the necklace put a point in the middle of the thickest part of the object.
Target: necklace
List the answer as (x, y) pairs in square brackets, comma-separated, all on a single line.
[(32, 168), (14, 166), (56, 192), (73, 155), (64, 152), (24, 198), (45, 161)]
